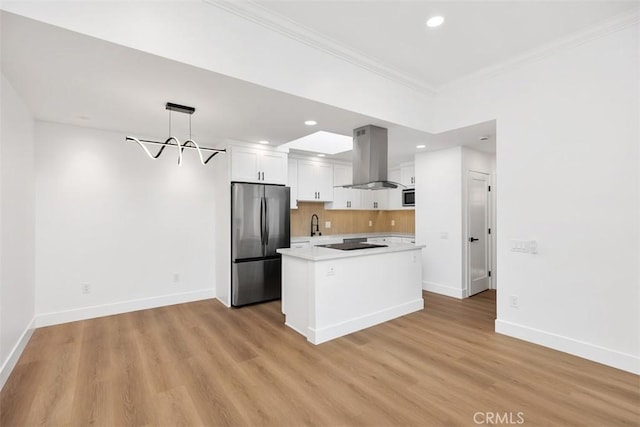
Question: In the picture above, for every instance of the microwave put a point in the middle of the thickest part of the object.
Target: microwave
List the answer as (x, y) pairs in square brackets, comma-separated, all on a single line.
[(409, 197)]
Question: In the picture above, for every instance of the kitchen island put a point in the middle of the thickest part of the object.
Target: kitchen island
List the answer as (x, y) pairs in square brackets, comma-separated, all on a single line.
[(328, 293)]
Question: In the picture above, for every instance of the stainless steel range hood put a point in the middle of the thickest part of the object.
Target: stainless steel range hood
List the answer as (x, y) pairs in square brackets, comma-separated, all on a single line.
[(370, 159)]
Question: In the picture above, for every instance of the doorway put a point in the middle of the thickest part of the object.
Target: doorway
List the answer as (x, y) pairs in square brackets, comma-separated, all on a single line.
[(478, 232)]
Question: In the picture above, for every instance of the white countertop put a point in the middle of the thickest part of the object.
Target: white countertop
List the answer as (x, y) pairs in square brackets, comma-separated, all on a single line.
[(299, 239), (316, 253)]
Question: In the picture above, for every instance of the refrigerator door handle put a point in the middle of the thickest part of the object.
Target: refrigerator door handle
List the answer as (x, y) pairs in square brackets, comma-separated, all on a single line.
[(262, 225), (266, 221)]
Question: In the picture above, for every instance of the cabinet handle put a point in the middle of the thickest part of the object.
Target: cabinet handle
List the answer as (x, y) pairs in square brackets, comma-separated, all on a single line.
[(258, 175), (263, 176)]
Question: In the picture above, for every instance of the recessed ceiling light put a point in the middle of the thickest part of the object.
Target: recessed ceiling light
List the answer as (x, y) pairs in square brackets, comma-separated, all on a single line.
[(420, 146), (435, 21), (320, 155), (263, 142), (310, 123)]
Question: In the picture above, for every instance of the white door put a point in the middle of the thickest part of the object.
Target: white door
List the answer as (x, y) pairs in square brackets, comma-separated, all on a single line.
[(478, 237)]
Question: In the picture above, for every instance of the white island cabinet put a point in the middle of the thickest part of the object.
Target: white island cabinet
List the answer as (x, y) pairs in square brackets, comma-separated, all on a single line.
[(328, 293)]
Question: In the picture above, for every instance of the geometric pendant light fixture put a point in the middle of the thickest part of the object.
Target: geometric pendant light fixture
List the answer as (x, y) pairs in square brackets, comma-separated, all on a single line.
[(172, 141)]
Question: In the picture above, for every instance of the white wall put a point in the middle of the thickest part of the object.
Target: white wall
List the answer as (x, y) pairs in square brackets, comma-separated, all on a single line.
[(567, 166), (109, 216), (439, 219), (441, 215), (17, 210)]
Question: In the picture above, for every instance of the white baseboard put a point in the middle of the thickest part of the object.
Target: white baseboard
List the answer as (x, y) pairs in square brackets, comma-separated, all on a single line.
[(449, 291), (56, 318), (318, 336), (616, 359), (16, 352)]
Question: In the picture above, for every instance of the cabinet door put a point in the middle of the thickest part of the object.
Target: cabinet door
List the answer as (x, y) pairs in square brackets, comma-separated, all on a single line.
[(292, 178), (273, 167), (374, 199), (344, 198), (408, 175), (395, 199), (382, 199), (315, 181), (244, 164), (342, 175)]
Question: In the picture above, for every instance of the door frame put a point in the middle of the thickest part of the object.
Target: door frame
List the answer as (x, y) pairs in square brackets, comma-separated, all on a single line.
[(465, 235)]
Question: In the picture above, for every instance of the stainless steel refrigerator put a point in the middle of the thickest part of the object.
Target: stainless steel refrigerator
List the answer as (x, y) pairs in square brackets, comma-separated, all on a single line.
[(260, 220)]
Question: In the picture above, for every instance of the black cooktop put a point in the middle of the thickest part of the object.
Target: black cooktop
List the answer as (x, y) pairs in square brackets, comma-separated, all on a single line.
[(352, 246)]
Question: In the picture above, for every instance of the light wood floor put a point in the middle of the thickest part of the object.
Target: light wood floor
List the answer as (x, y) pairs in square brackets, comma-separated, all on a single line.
[(204, 364)]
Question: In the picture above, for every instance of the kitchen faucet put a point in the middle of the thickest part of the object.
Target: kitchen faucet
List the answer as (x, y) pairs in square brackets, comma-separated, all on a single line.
[(317, 228)]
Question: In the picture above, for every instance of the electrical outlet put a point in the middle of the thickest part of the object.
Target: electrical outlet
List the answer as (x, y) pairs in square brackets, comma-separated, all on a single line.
[(327, 224), (513, 301), (331, 271), (393, 222), (444, 235), (86, 288), (176, 278), (370, 223)]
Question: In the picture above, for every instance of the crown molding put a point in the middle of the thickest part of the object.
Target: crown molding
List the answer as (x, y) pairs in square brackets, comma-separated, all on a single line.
[(260, 15), (254, 12), (610, 26)]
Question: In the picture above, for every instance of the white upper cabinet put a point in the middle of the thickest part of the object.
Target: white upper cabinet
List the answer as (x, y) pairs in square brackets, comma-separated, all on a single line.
[(315, 181), (394, 201), (374, 199), (344, 198), (292, 177), (408, 174), (256, 165)]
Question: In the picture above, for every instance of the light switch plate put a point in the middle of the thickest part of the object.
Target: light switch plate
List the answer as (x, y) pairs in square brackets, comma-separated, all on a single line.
[(327, 224)]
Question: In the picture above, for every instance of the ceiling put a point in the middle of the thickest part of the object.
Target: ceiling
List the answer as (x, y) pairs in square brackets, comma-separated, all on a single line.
[(475, 35), (71, 78)]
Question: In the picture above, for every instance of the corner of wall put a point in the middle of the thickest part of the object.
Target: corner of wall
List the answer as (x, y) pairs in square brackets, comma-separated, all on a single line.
[(15, 353), (17, 227)]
